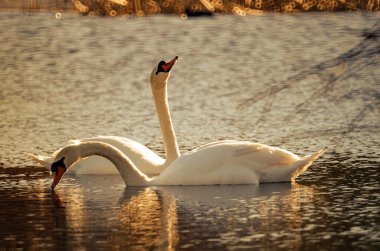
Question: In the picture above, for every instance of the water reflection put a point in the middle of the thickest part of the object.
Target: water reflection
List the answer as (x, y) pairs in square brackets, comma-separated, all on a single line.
[(247, 215), (181, 217), (99, 212), (150, 217), (166, 216)]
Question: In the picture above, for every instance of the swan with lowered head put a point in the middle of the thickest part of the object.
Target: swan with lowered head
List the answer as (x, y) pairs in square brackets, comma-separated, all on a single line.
[(145, 159), (221, 162)]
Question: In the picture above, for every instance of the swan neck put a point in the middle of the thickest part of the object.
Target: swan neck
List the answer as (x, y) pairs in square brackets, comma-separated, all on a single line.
[(129, 172), (166, 125)]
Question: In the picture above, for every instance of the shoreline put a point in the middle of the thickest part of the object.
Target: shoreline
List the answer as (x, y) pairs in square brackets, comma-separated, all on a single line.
[(188, 8)]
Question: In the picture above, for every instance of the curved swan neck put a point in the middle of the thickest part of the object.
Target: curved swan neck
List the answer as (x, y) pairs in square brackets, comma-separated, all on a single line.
[(130, 174), (166, 125)]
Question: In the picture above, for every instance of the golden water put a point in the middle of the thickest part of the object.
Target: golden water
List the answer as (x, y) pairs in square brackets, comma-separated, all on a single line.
[(300, 82)]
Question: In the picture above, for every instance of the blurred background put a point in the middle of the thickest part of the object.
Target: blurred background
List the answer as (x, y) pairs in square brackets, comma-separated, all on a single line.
[(191, 7)]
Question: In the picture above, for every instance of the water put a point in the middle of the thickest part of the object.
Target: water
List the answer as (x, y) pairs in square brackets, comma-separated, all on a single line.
[(300, 82)]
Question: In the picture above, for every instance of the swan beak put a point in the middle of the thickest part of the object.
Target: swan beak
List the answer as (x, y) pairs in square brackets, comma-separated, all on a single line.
[(58, 175), (168, 66)]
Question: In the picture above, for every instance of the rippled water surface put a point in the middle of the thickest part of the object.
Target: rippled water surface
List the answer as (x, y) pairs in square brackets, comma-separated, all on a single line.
[(300, 82)]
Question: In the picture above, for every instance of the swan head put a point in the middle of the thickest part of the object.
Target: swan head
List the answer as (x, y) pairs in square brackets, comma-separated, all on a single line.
[(58, 168), (161, 73), (63, 160)]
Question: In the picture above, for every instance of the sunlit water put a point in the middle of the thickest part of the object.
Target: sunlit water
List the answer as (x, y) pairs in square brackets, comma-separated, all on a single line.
[(300, 82)]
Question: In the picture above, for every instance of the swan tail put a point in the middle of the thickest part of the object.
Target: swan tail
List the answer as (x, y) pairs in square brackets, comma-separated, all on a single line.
[(303, 164), (44, 161)]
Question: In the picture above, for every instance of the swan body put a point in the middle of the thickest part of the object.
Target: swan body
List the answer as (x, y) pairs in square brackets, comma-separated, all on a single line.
[(235, 162), (220, 163)]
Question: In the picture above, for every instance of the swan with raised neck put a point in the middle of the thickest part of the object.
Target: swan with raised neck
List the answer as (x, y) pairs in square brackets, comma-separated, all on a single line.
[(158, 79), (145, 159)]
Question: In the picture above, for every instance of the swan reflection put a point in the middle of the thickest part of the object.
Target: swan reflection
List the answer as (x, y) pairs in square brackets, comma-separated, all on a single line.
[(172, 217), (167, 216), (150, 217)]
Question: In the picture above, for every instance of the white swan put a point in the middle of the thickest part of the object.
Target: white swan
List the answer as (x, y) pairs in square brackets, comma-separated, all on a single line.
[(145, 159), (222, 163)]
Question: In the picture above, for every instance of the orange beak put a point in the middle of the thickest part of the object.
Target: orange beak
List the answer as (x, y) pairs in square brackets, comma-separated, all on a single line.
[(167, 67), (58, 175)]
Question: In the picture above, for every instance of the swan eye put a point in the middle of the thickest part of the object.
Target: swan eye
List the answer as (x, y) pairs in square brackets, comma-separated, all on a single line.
[(59, 163), (54, 167), (160, 68)]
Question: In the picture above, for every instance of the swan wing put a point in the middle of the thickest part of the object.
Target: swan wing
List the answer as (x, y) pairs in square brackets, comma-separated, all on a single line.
[(224, 162), (245, 150)]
